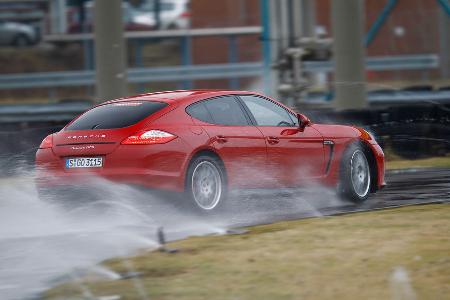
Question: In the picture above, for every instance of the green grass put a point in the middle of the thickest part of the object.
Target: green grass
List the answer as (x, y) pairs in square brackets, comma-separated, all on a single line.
[(433, 162), (342, 257)]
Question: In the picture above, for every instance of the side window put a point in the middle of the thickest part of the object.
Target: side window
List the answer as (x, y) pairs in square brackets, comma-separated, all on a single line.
[(267, 113), (226, 111), (198, 110)]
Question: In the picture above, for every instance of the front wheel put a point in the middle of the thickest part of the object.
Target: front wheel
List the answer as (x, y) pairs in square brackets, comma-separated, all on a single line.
[(21, 41), (206, 184), (355, 175)]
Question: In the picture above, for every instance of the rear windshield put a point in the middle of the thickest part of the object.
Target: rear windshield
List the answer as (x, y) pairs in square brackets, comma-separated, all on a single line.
[(116, 115)]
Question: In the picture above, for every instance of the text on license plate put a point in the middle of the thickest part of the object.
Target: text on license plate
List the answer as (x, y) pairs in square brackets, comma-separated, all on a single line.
[(84, 162)]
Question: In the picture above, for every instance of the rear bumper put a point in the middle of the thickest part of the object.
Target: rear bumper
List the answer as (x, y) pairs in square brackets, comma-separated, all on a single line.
[(53, 179), (155, 166)]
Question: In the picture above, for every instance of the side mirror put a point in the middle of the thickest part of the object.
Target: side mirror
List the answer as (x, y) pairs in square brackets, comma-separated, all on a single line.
[(303, 121)]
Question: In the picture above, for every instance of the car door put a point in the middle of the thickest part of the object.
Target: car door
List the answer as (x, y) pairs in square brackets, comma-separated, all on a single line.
[(241, 145), (293, 156)]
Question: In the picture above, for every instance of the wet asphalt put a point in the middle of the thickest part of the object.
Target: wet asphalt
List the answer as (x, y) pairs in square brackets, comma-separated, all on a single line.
[(40, 243)]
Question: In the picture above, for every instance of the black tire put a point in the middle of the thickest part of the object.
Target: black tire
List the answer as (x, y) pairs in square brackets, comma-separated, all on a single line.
[(21, 41), (172, 26), (355, 175), (198, 184)]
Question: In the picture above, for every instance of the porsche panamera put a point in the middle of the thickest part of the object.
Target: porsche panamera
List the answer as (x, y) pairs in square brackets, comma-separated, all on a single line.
[(204, 143)]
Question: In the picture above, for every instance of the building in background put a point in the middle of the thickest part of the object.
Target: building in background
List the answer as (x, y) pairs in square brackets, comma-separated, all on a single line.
[(214, 50), (413, 27)]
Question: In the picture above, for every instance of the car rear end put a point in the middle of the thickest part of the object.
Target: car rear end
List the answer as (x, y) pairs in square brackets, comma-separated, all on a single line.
[(177, 14), (115, 141)]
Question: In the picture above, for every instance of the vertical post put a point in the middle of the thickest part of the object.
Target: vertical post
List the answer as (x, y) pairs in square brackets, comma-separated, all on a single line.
[(265, 19), (88, 55), (444, 43), (275, 49), (53, 11), (58, 17), (285, 32), (88, 50), (110, 51), (349, 53), (186, 46), (233, 57), (138, 61), (297, 20), (308, 18), (157, 7), (63, 16)]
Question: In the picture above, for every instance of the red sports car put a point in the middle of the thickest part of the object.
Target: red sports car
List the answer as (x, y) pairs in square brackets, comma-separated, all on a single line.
[(205, 143)]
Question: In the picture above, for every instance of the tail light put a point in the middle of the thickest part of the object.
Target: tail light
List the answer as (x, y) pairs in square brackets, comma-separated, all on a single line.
[(185, 14), (47, 142), (150, 137)]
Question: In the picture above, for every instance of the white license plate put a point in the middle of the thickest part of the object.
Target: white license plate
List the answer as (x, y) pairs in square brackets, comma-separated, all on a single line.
[(84, 162)]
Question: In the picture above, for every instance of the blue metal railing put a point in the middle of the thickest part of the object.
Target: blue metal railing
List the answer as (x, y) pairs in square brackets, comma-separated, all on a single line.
[(185, 73)]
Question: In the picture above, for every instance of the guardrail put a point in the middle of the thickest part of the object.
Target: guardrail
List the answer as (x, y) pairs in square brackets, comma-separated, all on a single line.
[(178, 33), (384, 63), (55, 112), (135, 75), (195, 72), (183, 36)]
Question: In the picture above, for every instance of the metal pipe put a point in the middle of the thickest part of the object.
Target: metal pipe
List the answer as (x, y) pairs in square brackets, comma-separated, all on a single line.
[(186, 46), (445, 6), (233, 57), (444, 44), (265, 19), (382, 17)]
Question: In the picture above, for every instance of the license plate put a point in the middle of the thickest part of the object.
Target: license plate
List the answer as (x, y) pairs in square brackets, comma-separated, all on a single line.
[(84, 162)]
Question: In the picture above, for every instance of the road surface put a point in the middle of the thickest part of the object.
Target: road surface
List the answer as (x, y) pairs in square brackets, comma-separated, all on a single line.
[(41, 243)]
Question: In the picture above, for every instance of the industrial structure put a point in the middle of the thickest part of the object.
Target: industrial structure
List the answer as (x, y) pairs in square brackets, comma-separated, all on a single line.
[(308, 54), (288, 47)]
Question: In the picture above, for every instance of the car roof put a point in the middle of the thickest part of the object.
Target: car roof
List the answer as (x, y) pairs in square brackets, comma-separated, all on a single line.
[(179, 96)]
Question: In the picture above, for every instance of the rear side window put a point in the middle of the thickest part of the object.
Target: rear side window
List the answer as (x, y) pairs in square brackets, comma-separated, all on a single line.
[(198, 110), (116, 115), (224, 110)]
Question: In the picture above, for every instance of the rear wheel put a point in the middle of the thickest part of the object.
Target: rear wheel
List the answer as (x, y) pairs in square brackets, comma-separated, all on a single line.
[(206, 184), (355, 175)]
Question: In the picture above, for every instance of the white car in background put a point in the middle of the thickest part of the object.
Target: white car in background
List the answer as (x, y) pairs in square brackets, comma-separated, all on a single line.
[(17, 34), (174, 14)]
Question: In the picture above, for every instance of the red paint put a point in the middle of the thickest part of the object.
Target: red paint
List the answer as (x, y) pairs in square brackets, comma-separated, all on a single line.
[(253, 156)]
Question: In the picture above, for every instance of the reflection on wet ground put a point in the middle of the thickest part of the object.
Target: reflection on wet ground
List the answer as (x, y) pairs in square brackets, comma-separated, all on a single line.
[(41, 241)]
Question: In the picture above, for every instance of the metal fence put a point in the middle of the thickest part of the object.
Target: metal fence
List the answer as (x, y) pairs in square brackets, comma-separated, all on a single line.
[(210, 71)]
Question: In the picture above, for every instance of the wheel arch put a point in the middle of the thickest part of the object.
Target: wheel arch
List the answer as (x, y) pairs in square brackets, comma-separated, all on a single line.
[(206, 152), (370, 158), (372, 163)]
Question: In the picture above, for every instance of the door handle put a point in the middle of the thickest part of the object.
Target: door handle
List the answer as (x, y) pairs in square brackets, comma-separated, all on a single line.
[(221, 139), (272, 140)]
